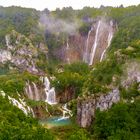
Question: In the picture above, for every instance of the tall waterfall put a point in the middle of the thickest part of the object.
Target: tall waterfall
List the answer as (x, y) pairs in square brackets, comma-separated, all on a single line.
[(95, 44), (110, 36), (98, 40), (50, 92), (67, 49), (86, 53)]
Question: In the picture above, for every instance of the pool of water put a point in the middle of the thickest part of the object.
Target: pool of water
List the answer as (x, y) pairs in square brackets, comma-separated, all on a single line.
[(55, 122)]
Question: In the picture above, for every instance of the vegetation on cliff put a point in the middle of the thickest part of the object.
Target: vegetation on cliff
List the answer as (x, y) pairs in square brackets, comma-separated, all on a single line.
[(76, 80)]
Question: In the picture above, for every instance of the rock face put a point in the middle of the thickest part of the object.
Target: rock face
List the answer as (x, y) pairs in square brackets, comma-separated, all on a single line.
[(20, 52), (72, 50), (67, 95), (132, 74), (86, 108), (98, 40), (90, 48)]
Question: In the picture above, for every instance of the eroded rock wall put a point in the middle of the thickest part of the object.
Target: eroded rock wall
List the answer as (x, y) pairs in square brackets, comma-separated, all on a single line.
[(86, 107)]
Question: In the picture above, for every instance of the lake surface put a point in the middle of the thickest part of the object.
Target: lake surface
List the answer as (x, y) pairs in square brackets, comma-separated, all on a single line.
[(55, 122)]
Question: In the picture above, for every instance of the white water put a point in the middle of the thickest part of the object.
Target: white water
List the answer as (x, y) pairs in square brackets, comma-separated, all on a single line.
[(66, 113), (5, 56), (21, 104), (37, 97), (110, 36), (86, 53), (67, 48), (7, 40), (95, 44), (30, 92), (50, 92)]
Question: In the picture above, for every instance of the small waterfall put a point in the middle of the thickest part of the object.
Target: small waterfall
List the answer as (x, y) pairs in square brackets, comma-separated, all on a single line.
[(20, 103), (51, 97), (37, 97), (86, 53), (95, 44), (50, 93), (66, 113), (67, 49), (30, 92), (7, 40), (110, 36)]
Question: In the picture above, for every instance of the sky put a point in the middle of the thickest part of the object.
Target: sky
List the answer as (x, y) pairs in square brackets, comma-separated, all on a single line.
[(75, 4)]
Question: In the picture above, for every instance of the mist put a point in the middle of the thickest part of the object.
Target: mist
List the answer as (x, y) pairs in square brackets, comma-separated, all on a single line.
[(55, 25)]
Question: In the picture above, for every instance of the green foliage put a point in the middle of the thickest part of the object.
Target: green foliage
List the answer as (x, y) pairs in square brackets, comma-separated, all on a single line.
[(128, 20), (88, 12), (105, 70), (78, 67), (13, 83), (120, 122), (15, 125), (80, 134), (22, 20), (73, 77), (131, 92), (84, 29)]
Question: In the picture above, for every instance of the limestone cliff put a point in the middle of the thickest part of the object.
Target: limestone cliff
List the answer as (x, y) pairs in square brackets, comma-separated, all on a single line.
[(86, 107), (90, 47), (20, 52)]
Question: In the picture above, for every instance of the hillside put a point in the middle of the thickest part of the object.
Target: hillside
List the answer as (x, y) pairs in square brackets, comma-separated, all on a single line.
[(70, 74)]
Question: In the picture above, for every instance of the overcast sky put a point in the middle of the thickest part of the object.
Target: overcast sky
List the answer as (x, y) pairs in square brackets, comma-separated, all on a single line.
[(76, 4)]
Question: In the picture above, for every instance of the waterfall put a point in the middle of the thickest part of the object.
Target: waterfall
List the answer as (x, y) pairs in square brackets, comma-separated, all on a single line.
[(20, 103), (50, 93), (67, 48), (37, 97), (85, 58), (30, 92), (66, 113), (110, 36), (95, 44), (7, 40), (51, 97)]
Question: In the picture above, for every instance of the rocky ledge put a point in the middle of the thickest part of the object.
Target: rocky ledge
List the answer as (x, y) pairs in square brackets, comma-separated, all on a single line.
[(86, 107)]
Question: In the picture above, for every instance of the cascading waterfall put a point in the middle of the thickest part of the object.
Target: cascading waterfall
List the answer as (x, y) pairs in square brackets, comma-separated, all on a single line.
[(95, 44), (66, 113), (30, 92), (86, 53), (50, 92), (37, 97), (20, 103), (51, 97)]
